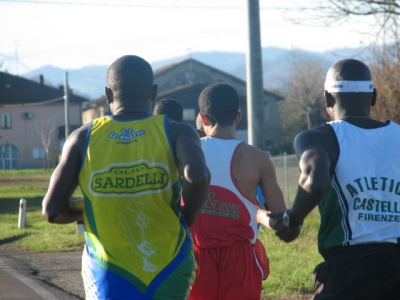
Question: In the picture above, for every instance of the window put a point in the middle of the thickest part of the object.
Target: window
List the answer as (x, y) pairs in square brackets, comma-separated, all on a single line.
[(9, 157), (5, 120), (38, 153), (189, 114)]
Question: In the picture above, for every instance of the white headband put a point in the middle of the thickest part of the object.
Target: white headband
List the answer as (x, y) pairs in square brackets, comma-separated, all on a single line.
[(349, 86)]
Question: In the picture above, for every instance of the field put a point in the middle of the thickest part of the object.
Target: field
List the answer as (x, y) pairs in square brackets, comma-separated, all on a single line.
[(38, 235), (291, 264)]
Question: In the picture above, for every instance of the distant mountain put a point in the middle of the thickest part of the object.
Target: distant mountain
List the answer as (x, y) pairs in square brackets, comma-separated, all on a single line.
[(12, 65), (87, 82), (90, 81)]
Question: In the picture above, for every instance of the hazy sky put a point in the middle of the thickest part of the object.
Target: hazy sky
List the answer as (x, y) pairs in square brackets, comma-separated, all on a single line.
[(75, 33)]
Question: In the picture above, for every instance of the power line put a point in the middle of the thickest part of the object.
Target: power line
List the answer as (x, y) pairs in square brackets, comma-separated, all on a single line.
[(132, 5), (122, 5)]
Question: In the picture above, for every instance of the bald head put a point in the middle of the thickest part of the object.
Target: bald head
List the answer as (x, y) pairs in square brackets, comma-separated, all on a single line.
[(130, 77), (349, 76), (349, 70), (349, 88)]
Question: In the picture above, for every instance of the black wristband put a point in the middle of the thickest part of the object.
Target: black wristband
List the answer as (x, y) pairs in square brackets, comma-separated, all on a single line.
[(288, 220)]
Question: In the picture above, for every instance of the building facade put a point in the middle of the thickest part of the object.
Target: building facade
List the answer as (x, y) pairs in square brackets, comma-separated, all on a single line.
[(185, 80), (32, 116)]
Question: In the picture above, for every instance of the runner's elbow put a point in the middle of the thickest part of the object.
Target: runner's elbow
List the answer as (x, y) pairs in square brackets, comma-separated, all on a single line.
[(49, 214), (198, 177), (315, 184)]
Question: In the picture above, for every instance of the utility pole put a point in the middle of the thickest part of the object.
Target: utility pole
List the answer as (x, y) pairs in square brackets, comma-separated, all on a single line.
[(66, 105), (16, 56), (255, 89)]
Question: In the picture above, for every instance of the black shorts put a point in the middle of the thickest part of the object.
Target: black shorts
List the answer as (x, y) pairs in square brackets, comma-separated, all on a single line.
[(360, 272)]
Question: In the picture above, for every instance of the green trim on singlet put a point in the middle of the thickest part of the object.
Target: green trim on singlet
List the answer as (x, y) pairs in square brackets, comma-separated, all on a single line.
[(332, 231), (176, 191)]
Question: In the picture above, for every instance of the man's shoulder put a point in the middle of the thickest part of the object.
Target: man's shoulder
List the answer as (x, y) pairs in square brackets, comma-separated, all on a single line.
[(182, 132), (79, 136), (318, 132), (322, 129), (249, 162), (80, 132), (321, 139), (180, 127), (322, 135), (251, 152)]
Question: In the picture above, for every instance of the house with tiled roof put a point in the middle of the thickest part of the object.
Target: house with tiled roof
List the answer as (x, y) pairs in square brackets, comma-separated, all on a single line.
[(186, 79), (32, 117)]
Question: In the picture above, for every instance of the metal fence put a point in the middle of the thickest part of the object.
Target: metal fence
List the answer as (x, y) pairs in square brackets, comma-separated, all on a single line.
[(287, 174)]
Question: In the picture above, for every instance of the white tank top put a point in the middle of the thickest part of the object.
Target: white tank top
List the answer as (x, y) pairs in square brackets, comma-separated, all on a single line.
[(367, 181), (227, 215)]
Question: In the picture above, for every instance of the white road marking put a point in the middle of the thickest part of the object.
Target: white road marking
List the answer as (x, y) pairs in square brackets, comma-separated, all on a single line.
[(29, 282)]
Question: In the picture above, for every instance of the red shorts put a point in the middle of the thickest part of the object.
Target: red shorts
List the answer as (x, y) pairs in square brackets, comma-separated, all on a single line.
[(227, 273)]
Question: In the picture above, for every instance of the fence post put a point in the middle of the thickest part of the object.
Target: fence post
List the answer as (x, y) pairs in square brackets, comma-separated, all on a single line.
[(22, 213), (77, 204), (79, 226), (286, 179)]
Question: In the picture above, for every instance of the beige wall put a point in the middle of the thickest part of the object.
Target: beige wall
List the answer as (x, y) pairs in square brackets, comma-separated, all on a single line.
[(93, 113), (89, 115), (23, 133)]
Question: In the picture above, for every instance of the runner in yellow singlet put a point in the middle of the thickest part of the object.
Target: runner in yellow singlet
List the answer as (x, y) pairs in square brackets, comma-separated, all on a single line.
[(132, 168)]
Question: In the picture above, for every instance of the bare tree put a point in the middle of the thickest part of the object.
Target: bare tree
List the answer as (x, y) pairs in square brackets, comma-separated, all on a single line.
[(46, 129), (305, 91), (385, 14), (304, 105), (386, 73)]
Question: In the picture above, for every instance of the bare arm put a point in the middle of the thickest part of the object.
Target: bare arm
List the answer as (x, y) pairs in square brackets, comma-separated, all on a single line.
[(314, 174), (271, 191), (313, 182), (264, 219), (253, 169), (56, 206), (194, 172), (269, 185)]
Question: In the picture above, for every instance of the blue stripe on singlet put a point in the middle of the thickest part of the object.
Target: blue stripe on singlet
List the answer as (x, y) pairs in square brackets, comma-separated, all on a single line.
[(116, 287)]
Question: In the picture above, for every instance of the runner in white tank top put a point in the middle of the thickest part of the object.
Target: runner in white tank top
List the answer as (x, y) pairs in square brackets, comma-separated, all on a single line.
[(225, 232), (350, 168)]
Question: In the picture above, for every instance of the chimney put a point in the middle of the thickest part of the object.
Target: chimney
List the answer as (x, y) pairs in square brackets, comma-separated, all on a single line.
[(41, 79)]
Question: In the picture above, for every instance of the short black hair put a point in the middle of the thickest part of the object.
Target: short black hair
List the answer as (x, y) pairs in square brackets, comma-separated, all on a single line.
[(130, 77), (171, 107), (220, 103), (349, 69), (199, 126), (199, 123)]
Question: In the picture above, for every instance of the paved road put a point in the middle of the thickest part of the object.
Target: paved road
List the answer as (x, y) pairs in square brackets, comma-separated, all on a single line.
[(50, 276), (37, 276)]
